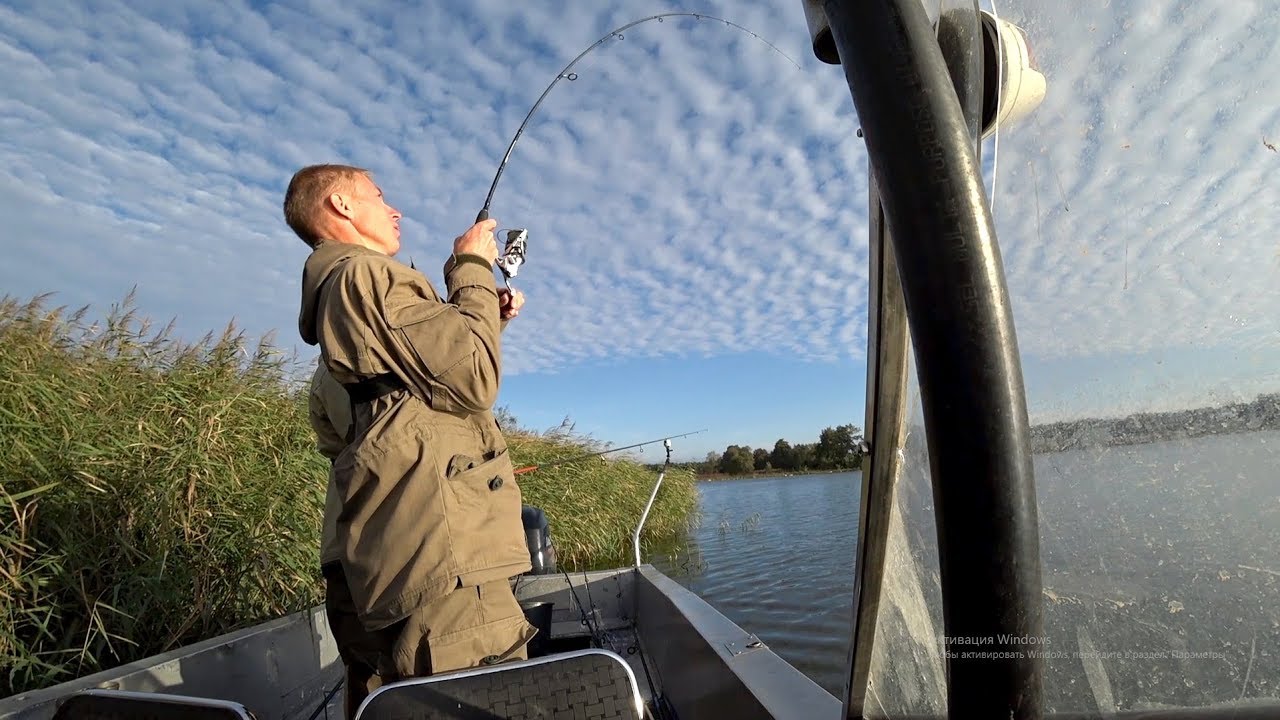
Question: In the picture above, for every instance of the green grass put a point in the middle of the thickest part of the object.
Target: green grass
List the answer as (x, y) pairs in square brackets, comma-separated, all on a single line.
[(154, 493)]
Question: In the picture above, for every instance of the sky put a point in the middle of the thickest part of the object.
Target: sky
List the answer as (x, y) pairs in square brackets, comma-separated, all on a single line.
[(695, 199)]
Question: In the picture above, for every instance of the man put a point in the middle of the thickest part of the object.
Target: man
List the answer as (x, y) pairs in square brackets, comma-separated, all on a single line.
[(427, 530)]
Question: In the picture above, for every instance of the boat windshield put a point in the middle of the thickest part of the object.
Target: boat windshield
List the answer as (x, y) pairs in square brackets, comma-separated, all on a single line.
[(1136, 209)]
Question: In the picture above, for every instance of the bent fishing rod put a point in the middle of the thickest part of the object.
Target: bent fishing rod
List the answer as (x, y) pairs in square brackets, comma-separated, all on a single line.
[(513, 254), (665, 439)]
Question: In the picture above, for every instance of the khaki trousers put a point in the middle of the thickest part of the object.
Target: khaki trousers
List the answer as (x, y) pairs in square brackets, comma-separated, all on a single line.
[(469, 627)]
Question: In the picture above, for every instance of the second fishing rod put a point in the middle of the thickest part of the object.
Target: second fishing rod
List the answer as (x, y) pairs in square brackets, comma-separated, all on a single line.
[(587, 456)]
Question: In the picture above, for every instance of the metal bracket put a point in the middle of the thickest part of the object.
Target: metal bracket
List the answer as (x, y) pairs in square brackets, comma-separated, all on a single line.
[(738, 647)]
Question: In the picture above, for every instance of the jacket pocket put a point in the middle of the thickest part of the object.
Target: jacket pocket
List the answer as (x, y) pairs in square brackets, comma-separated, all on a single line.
[(483, 502), (440, 342)]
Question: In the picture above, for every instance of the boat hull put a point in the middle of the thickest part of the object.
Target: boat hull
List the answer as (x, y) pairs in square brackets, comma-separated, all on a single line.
[(682, 651)]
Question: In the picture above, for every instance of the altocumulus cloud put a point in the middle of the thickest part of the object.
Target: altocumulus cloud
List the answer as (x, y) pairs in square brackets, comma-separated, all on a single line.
[(691, 192), (686, 194)]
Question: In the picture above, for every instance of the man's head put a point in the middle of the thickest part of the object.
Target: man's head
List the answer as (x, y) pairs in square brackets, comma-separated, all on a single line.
[(341, 203)]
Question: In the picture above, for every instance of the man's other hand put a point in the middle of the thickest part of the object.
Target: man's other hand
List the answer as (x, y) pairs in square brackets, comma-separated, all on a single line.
[(508, 304), (478, 240)]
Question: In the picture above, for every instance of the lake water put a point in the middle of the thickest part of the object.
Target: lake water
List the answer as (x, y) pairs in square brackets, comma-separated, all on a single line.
[(1161, 564), (775, 555)]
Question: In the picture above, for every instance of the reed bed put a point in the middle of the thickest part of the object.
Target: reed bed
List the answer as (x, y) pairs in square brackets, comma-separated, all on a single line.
[(155, 493)]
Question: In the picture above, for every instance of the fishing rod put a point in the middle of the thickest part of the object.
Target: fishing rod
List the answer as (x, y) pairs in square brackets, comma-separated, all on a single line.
[(513, 254), (531, 468)]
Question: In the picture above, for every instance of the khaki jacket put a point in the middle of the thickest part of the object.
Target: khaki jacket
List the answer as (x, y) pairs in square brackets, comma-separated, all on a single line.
[(329, 410), (427, 492)]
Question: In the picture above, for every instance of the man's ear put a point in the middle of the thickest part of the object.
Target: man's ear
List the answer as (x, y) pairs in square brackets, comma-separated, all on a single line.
[(339, 203)]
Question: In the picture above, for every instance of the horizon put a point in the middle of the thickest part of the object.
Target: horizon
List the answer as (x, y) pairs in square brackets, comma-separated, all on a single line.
[(696, 204)]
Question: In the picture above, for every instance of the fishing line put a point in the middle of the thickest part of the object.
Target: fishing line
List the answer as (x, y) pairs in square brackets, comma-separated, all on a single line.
[(596, 635), (324, 703), (566, 73)]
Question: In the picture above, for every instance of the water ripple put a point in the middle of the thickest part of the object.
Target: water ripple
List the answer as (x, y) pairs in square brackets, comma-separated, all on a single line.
[(776, 557)]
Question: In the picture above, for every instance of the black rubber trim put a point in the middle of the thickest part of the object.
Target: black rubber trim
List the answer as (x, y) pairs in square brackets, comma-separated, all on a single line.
[(965, 347)]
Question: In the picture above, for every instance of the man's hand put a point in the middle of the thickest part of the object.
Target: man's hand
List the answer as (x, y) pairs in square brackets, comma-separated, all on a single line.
[(478, 240), (509, 305)]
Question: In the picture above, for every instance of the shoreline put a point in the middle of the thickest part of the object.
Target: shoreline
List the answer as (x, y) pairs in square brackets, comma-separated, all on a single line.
[(720, 477)]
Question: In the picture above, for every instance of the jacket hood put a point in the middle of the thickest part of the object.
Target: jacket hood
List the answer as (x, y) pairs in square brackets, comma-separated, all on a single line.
[(323, 261)]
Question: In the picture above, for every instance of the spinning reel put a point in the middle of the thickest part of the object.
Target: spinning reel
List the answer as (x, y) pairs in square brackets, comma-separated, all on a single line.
[(513, 255)]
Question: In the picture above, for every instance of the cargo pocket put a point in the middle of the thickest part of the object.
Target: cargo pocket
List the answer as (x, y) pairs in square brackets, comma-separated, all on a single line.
[(496, 642), (482, 503), (470, 627)]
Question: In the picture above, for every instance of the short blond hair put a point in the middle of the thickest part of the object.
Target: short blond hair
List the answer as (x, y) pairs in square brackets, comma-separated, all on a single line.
[(307, 192)]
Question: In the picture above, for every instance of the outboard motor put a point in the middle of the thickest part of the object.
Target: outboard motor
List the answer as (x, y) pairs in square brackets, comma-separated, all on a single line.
[(537, 535), (542, 555)]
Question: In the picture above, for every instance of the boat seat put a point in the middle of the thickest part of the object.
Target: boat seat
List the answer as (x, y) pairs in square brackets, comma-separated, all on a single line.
[(123, 704), (580, 685)]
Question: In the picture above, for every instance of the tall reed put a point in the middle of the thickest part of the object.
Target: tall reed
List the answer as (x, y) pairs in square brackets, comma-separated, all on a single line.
[(154, 492)]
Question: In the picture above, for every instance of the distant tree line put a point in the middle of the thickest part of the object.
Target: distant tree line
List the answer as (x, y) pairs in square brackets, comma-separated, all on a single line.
[(838, 448), (1262, 413)]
